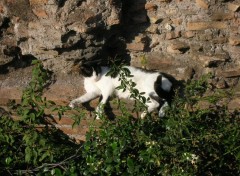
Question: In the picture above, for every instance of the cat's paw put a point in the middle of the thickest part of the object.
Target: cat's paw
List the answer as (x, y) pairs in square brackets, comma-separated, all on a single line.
[(72, 104), (97, 116), (143, 115), (161, 114), (99, 111)]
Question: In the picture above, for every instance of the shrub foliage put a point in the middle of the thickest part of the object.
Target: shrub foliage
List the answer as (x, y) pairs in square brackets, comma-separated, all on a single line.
[(189, 140)]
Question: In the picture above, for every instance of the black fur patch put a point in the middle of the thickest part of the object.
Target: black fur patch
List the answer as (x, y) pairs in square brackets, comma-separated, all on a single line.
[(170, 78), (166, 95), (97, 69), (87, 70)]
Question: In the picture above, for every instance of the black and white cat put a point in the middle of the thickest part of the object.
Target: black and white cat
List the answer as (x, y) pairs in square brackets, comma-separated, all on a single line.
[(157, 86)]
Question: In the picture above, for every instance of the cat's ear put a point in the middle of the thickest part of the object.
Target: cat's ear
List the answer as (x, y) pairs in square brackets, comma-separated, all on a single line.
[(92, 62), (86, 70), (159, 81), (97, 69)]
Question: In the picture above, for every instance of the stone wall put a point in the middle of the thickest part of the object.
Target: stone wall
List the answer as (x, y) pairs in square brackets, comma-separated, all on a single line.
[(186, 38), (58, 31)]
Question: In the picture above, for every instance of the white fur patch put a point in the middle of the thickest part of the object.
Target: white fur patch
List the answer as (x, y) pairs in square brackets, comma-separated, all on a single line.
[(162, 110), (166, 84)]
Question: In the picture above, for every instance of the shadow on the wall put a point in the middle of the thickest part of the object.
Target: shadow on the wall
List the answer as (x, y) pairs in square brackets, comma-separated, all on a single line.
[(132, 23), (18, 60)]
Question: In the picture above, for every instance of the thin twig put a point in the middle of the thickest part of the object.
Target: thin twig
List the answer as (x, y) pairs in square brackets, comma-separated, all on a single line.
[(51, 165)]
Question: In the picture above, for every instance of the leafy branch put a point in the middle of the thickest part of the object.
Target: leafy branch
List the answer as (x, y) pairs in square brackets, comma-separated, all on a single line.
[(51, 166)]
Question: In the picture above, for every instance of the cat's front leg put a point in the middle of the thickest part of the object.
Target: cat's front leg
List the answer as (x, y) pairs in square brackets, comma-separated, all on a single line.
[(83, 99), (151, 106), (73, 103), (100, 107), (143, 115)]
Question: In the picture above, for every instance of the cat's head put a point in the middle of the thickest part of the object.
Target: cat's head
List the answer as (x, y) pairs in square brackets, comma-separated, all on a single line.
[(90, 69)]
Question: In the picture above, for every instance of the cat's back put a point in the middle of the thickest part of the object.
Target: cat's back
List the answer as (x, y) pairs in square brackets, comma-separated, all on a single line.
[(143, 76)]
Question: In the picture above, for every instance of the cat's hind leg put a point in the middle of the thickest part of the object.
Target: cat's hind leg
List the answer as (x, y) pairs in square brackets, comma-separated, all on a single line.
[(161, 112), (83, 99)]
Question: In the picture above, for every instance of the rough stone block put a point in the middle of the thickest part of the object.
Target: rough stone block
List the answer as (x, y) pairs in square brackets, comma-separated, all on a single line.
[(136, 46), (219, 40), (177, 21), (235, 72), (202, 3), (189, 34), (221, 84), (171, 11), (154, 19), (151, 6), (234, 40), (233, 7), (7, 94), (140, 39), (38, 2), (173, 35), (177, 47), (217, 16), (153, 28), (40, 13), (163, 0), (67, 129), (234, 104), (173, 51), (194, 26), (157, 60), (80, 28), (235, 28), (113, 21), (212, 61)]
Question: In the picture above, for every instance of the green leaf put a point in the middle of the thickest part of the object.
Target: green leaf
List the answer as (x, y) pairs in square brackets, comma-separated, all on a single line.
[(56, 172), (28, 154), (133, 84), (51, 102), (130, 162), (34, 62), (45, 155), (8, 160), (114, 145), (32, 116)]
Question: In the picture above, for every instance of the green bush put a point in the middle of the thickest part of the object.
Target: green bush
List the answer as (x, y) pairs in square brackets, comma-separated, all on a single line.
[(32, 145), (187, 141)]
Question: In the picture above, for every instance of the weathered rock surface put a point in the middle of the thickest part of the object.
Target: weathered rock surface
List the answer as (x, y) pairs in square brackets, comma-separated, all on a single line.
[(66, 30), (173, 36), (63, 32), (184, 38)]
